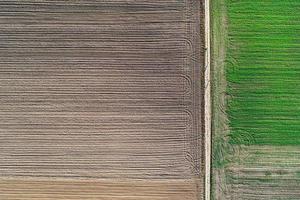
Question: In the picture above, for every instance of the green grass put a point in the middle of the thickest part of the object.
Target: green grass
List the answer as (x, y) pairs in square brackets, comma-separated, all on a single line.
[(263, 71), (219, 121), (262, 104)]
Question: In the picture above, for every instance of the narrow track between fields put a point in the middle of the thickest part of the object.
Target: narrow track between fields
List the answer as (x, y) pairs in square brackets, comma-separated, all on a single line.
[(207, 102)]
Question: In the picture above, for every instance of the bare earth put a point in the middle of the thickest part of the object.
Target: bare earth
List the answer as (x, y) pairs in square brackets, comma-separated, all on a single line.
[(102, 99)]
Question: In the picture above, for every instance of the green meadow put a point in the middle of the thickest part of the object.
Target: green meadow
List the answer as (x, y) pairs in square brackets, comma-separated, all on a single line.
[(256, 99), (263, 71)]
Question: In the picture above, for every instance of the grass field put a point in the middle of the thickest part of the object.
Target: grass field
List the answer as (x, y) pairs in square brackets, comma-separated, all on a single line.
[(262, 65)]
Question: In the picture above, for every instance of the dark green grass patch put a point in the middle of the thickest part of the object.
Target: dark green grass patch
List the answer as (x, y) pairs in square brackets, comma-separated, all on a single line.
[(263, 71)]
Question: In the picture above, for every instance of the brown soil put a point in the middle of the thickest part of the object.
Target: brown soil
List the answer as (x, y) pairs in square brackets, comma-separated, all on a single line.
[(102, 90)]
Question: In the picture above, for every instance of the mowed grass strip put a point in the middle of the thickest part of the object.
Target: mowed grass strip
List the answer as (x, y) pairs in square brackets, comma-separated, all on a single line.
[(263, 71)]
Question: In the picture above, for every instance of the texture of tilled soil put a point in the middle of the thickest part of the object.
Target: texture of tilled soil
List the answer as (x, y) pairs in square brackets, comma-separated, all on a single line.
[(265, 172), (102, 90)]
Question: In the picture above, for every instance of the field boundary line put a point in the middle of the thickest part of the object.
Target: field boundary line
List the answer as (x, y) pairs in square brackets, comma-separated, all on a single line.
[(207, 102)]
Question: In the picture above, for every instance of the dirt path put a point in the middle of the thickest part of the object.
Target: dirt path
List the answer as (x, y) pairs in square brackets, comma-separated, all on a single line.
[(207, 102)]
